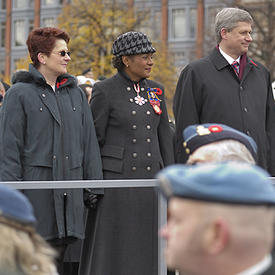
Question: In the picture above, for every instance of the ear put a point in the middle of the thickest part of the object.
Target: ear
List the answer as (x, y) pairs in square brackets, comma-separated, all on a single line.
[(125, 60), (217, 237), (224, 33), (41, 58)]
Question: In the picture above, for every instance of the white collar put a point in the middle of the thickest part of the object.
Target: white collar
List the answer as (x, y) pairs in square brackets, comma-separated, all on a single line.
[(258, 268), (229, 59)]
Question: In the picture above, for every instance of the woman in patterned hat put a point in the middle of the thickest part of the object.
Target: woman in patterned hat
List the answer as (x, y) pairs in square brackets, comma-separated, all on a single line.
[(135, 139)]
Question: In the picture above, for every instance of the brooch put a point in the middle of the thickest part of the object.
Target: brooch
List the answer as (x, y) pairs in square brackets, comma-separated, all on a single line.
[(139, 100)]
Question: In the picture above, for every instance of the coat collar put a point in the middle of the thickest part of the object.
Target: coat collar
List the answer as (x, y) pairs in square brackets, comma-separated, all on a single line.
[(34, 76), (220, 62), (127, 78)]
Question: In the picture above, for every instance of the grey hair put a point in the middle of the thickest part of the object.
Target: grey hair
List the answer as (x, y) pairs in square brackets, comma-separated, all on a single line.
[(224, 150), (228, 18)]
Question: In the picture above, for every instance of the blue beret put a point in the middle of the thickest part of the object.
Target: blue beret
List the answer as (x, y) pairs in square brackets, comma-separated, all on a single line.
[(198, 135), (15, 206), (230, 182)]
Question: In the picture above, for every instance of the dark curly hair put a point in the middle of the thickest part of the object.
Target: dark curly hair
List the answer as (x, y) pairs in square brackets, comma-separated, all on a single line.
[(42, 40), (118, 63)]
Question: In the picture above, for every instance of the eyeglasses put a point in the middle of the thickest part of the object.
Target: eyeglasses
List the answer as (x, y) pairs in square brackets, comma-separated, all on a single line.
[(63, 53)]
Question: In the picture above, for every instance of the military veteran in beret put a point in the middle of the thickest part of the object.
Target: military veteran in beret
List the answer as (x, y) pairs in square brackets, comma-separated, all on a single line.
[(136, 141), (22, 249), (220, 219), (213, 142)]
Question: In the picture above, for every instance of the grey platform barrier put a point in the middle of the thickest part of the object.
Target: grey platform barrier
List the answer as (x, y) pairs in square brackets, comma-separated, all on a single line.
[(162, 213)]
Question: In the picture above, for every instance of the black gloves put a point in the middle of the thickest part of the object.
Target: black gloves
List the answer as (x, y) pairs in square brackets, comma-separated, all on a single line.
[(90, 199)]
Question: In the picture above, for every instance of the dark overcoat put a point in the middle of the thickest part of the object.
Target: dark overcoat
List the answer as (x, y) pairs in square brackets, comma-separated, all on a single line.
[(208, 91), (47, 135), (135, 143)]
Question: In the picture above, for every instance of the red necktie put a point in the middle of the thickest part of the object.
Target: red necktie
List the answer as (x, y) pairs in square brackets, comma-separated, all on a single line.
[(236, 67)]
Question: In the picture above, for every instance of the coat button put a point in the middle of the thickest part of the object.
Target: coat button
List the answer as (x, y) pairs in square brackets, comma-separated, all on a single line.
[(241, 88), (131, 100), (128, 89), (134, 168), (134, 113), (43, 95), (65, 194), (148, 127), (248, 133), (67, 157), (148, 113), (40, 109), (148, 168), (54, 156), (142, 89), (134, 140), (134, 155), (245, 109), (74, 108), (148, 140), (149, 154), (134, 127)]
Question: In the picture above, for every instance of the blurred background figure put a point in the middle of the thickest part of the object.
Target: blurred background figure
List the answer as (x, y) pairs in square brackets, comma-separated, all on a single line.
[(87, 89), (22, 249), (87, 77), (2, 92), (221, 218), (136, 141), (101, 77), (43, 139)]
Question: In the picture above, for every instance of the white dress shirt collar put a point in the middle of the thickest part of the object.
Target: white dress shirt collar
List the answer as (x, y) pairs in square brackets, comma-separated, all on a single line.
[(258, 268), (229, 59)]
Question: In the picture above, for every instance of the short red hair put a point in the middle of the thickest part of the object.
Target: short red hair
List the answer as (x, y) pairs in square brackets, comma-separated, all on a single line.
[(42, 40)]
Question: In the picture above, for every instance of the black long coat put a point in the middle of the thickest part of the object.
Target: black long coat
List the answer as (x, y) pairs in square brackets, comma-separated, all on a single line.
[(208, 91), (47, 135), (135, 143)]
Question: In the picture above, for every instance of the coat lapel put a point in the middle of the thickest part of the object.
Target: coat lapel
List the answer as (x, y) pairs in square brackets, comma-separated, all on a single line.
[(50, 102), (249, 66)]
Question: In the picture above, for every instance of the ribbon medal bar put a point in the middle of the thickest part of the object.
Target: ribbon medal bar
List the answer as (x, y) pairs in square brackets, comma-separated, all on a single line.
[(154, 99)]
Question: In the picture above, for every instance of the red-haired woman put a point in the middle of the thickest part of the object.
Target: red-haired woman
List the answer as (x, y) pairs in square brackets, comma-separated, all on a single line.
[(47, 133)]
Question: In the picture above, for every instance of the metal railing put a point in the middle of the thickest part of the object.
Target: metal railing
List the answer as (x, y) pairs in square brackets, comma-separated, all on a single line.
[(151, 183)]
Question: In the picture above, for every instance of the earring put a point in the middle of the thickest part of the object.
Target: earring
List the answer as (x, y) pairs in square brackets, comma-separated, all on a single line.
[(127, 65)]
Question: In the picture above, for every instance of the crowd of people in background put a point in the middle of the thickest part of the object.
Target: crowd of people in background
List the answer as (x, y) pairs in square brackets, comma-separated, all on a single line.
[(54, 126)]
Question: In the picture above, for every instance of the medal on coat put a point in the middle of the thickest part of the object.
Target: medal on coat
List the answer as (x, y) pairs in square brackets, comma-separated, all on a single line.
[(154, 100), (139, 100)]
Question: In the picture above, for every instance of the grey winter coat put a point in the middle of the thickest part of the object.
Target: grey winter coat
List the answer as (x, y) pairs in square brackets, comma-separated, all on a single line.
[(47, 135)]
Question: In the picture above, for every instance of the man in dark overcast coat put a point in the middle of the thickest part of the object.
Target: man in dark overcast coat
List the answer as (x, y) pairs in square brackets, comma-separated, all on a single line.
[(210, 91)]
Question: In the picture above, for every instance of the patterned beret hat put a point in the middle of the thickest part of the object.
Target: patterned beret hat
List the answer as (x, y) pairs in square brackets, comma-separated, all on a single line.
[(131, 43)]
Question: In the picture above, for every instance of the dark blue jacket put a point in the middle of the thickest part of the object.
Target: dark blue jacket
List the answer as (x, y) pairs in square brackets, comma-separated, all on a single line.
[(47, 135)]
